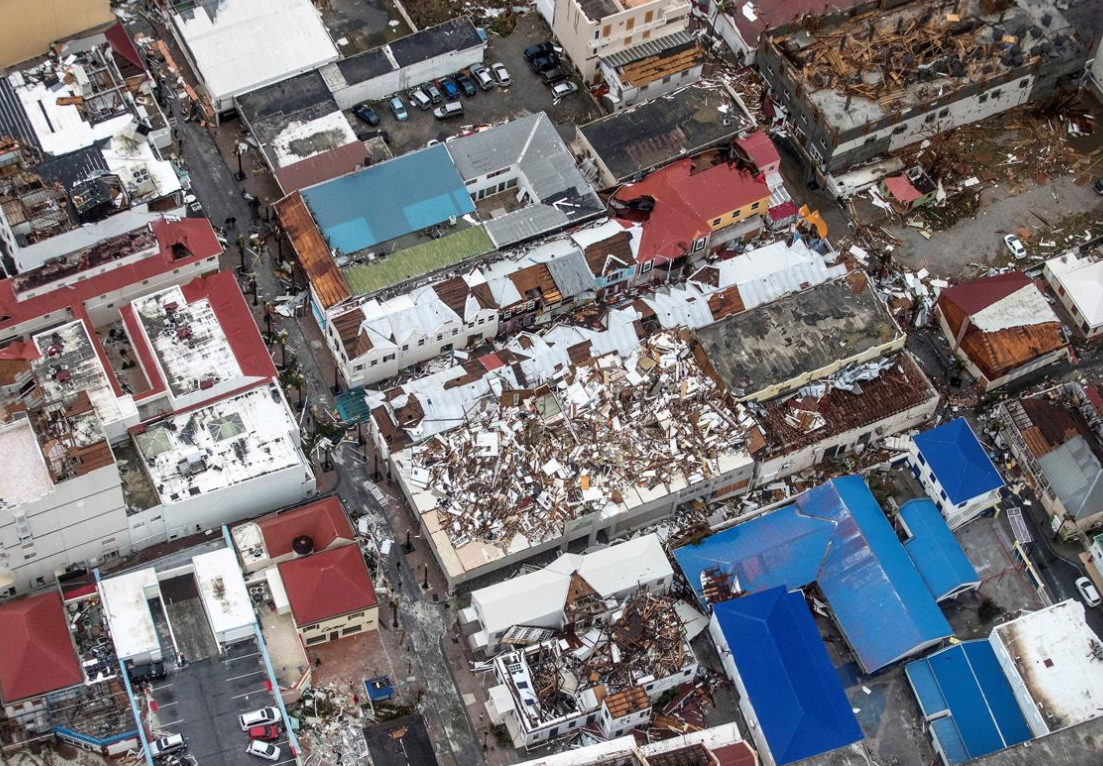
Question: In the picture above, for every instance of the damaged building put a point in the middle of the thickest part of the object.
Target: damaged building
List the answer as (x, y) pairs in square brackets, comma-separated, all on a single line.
[(867, 82), (604, 670), (592, 446)]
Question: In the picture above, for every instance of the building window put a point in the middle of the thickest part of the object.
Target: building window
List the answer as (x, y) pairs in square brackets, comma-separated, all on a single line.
[(388, 358), (922, 460), (359, 368), (455, 331), (628, 40), (716, 221), (996, 93), (929, 118), (352, 629), (647, 267), (899, 129), (983, 98), (440, 336), (421, 341), (1022, 83), (315, 640), (631, 23), (647, 17), (374, 362), (606, 30), (943, 112), (756, 205), (406, 347)]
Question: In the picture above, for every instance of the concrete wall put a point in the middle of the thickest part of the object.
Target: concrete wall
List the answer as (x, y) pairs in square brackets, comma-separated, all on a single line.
[(399, 80), (1030, 711), (621, 97), (346, 625), (585, 40), (31, 26), (81, 521), (745, 706), (1082, 324)]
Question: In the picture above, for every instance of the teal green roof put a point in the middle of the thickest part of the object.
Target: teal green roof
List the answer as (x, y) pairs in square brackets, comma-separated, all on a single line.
[(416, 261)]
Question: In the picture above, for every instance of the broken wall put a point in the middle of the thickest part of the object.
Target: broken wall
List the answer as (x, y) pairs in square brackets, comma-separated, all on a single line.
[(31, 26)]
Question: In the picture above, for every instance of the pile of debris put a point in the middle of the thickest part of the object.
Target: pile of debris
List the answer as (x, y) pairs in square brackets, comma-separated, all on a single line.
[(609, 425), (332, 727)]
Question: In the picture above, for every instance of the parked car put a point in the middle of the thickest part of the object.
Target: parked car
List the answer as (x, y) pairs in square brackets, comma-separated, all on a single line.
[(1015, 246), (266, 733), (538, 50), (398, 109), (266, 716), (451, 90), (465, 83), (1087, 591), (501, 74), (433, 92), (139, 674), (564, 89), (543, 63), (367, 114), (420, 99), (552, 76), (365, 135), (173, 743), (482, 76), (265, 750), (448, 111)]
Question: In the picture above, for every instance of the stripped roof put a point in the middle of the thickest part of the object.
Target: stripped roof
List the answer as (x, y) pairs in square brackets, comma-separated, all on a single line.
[(322, 167), (325, 278)]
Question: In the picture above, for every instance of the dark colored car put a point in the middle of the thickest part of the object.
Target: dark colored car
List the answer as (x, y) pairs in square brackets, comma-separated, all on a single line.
[(367, 114), (465, 83), (552, 76), (151, 671), (433, 92), (365, 135), (1099, 185), (538, 51), (451, 90), (543, 63)]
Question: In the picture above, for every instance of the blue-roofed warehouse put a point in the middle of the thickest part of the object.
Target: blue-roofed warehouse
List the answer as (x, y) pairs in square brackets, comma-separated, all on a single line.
[(967, 701), (935, 551), (836, 536), (390, 200), (955, 471), (788, 690)]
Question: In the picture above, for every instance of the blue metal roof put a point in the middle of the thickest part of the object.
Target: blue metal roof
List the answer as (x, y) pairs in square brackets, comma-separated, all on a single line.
[(837, 536), (389, 200), (958, 460), (977, 713), (935, 551), (789, 679)]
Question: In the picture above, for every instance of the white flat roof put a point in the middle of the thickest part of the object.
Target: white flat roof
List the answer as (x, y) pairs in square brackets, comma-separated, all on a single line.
[(252, 43), (69, 363), (1083, 281), (223, 590), (1052, 652), (23, 473), (125, 604)]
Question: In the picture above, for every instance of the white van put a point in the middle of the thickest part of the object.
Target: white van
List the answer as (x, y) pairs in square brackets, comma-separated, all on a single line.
[(263, 717), (419, 99)]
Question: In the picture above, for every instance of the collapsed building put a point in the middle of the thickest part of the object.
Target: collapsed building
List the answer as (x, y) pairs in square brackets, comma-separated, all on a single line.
[(585, 444), (869, 81), (604, 669)]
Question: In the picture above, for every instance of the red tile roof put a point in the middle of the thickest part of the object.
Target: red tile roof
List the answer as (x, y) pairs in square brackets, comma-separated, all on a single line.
[(323, 521), (754, 18), (760, 149), (237, 322), (36, 652), (901, 188), (686, 199), (979, 294), (195, 234), (322, 167), (327, 585), (739, 754), (146, 359)]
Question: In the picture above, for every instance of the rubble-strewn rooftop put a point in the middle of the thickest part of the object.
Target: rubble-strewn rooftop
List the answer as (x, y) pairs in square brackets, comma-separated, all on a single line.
[(225, 443), (610, 434), (68, 362)]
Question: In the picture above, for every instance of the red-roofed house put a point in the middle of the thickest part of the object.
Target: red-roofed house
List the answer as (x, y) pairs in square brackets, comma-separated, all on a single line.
[(37, 656), (1001, 327), (330, 594), (909, 190), (759, 152), (695, 207)]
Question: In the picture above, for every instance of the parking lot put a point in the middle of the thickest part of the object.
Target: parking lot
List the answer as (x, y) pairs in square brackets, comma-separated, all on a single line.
[(202, 701), (526, 95)]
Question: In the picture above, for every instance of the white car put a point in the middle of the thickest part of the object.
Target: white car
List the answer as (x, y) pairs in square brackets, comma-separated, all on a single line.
[(501, 74), (265, 750), (263, 717), (1015, 246), (564, 89), (173, 743), (1087, 591)]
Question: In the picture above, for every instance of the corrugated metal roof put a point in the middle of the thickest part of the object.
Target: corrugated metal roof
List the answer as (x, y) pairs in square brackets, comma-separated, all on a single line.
[(649, 48), (571, 274), (836, 536), (313, 253), (935, 551), (13, 118), (964, 688), (1075, 476), (787, 674)]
